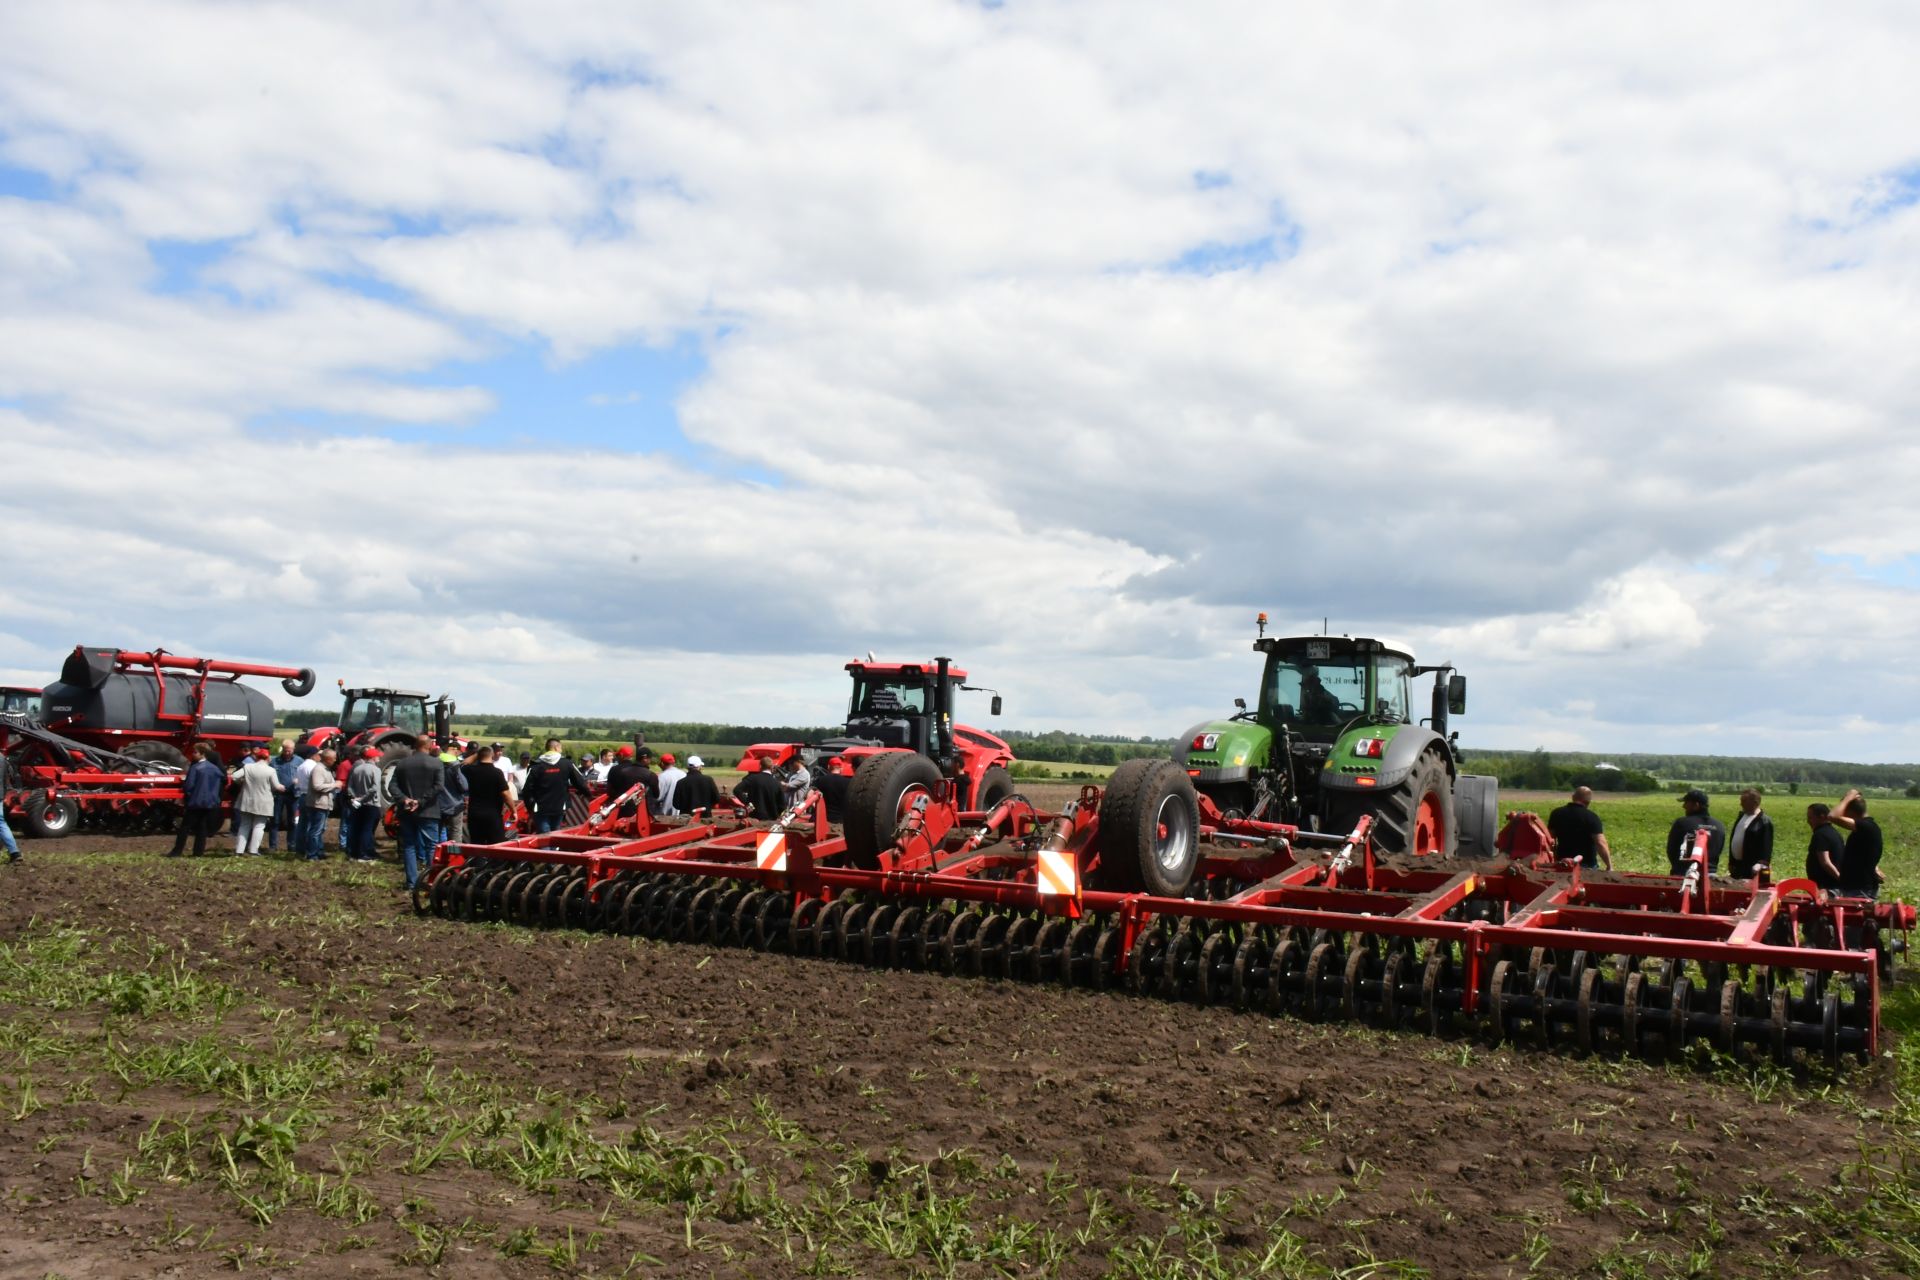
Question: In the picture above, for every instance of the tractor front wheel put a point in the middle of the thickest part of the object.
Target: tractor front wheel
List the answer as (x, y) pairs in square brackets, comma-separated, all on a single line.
[(882, 793), (1416, 817), (1149, 829), (996, 784)]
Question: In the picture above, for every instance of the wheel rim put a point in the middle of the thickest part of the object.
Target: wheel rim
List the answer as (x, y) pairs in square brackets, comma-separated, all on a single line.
[(1429, 835), (905, 806), (1173, 835)]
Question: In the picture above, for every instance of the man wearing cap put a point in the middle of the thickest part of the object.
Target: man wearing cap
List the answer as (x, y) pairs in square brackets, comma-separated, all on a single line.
[(628, 773), (669, 779), (834, 782), (253, 808), (366, 804), (696, 792), (758, 790), (1680, 835)]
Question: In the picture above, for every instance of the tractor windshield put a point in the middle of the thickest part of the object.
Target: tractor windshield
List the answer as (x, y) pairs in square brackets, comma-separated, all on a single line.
[(873, 696), (376, 711), (1314, 690), (20, 702)]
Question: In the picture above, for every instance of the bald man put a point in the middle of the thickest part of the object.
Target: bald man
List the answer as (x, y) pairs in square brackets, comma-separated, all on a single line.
[(1578, 833)]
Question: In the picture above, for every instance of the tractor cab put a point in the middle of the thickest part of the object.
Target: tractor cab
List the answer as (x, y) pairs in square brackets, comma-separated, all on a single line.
[(19, 703), (401, 709), (1318, 685)]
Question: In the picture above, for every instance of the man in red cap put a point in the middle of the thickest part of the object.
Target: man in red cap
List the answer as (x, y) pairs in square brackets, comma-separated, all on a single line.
[(670, 777), (253, 806), (366, 805), (628, 773)]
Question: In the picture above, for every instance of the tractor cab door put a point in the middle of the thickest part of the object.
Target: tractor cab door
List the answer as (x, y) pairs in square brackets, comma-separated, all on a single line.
[(409, 715), (891, 712), (1315, 687)]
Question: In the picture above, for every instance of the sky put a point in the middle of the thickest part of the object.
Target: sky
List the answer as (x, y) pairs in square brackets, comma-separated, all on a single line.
[(654, 361)]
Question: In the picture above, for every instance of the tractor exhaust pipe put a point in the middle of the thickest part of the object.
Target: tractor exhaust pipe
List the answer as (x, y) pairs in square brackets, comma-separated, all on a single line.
[(942, 716)]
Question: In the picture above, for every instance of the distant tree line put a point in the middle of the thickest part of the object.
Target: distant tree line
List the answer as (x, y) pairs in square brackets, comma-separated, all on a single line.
[(1646, 771), (1539, 771)]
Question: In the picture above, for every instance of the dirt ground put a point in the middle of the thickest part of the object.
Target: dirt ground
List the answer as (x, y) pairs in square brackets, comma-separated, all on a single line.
[(213, 1064)]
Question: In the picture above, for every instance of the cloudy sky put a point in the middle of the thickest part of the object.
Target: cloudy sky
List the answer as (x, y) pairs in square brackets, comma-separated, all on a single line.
[(655, 360)]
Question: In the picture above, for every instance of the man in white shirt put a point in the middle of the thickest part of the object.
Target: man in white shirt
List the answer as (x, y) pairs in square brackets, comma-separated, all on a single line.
[(669, 779)]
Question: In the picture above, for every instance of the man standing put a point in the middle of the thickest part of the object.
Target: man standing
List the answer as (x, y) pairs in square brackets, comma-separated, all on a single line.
[(322, 786), (1750, 847), (286, 798), (203, 784), (696, 793), (629, 773), (758, 790), (253, 809), (549, 781), (342, 770), (798, 782), (1826, 850), (366, 805), (1578, 834), (7, 841), (670, 777), (453, 799), (602, 766), (416, 787), (1860, 874), (1680, 834), (487, 794)]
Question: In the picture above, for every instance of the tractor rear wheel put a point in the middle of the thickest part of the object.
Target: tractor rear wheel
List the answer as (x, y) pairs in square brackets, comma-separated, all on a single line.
[(158, 753), (1149, 829), (1416, 817), (51, 821), (996, 784), (882, 793)]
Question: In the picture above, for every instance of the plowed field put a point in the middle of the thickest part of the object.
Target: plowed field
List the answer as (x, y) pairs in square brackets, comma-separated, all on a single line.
[(278, 1067)]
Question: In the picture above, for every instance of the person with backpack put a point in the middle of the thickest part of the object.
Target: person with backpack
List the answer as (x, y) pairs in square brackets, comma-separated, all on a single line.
[(550, 780)]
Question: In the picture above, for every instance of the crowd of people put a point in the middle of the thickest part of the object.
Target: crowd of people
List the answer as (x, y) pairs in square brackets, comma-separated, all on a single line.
[(472, 794), (1847, 864)]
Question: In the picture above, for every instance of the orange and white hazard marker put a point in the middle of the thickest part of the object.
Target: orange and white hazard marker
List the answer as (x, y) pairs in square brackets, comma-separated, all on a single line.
[(1058, 874), (771, 853)]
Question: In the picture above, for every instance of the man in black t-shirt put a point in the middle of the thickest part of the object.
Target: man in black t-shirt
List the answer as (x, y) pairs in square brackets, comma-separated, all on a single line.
[(1825, 850), (1680, 835), (1578, 834), (629, 773), (1860, 861)]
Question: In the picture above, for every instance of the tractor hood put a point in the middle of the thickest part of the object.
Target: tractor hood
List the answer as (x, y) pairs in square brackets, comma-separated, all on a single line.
[(1223, 750)]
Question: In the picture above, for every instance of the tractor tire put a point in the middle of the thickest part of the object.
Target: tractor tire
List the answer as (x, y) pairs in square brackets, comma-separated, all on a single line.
[(996, 784), (882, 789), (158, 753), (1149, 835), (1417, 817), (51, 821)]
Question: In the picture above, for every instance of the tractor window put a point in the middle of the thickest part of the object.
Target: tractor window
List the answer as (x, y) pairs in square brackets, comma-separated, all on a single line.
[(408, 715), (1321, 691), (1390, 696), (889, 698)]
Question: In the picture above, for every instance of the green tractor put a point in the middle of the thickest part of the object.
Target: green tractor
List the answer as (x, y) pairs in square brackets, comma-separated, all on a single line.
[(1333, 737)]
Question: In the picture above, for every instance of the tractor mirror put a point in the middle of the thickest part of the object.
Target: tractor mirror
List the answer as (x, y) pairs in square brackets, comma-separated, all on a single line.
[(1240, 703), (1456, 695), (993, 708)]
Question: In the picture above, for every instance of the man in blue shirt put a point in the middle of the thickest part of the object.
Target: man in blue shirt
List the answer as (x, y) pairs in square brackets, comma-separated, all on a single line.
[(286, 802), (200, 816)]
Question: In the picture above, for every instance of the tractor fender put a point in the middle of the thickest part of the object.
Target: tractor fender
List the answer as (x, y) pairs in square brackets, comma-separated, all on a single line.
[(1406, 743), (1239, 747)]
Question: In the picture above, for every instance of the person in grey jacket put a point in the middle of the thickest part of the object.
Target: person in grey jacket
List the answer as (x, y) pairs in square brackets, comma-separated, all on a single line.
[(321, 789), (253, 808), (366, 805)]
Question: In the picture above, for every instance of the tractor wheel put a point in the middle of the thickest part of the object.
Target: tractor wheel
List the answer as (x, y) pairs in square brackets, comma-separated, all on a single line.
[(51, 821), (996, 784), (1416, 817), (158, 753), (1149, 829), (883, 790)]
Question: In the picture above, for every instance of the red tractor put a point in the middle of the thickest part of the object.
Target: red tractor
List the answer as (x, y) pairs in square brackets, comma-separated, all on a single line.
[(389, 719), (112, 735), (903, 710)]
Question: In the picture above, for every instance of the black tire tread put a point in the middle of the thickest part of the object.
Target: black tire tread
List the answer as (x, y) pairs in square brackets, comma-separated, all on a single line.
[(873, 799)]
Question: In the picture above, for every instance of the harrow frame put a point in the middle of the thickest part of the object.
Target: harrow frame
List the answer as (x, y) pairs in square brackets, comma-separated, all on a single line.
[(1278, 917)]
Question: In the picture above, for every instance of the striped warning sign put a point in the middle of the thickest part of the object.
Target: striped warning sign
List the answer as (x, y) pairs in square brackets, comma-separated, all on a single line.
[(773, 851), (1059, 874)]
